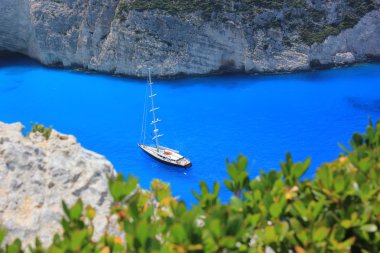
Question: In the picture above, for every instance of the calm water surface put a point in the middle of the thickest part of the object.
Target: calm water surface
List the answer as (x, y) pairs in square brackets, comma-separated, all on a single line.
[(208, 119)]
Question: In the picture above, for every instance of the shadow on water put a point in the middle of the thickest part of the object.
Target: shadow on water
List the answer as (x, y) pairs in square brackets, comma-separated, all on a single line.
[(236, 80), (9, 88), (368, 106), (315, 76), (227, 80), (17, 60)]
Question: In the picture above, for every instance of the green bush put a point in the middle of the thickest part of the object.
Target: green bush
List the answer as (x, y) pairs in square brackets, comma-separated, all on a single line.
[(42, 129), (337, 211), (205, 7), (356, 9)]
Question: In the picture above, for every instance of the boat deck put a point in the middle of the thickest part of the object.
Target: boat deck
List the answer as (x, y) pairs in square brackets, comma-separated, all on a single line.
[(166, 155)]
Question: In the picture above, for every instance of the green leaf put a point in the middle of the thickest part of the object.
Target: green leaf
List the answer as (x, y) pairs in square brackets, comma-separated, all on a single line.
[(239, 176), (296, 225), (142, 232), (228, 184), (209, 242), (38, 243), (257, 196), (232, 171), (300, 208), (365, 164), (342, 147), (3, 233), (15, 247), (339, 184), (253, 219), (371, 134), (116, 189), (270, 234), (234, 225), (76, 210), (130, 184), (55, 249), (339, 233), (324, 174), (277, 187), (216, 189), (299, 169), (66, 209), (370, 228), (282, 228), (242, 163), (237, 204), (303, 237), (275, 210), (78, 237), (317, 207), (179, 233), (120, 189), (320, 234), (215, 228), (346, 224), (228, 242), (161, 190), (148, 213), (268, 200), (357, 140), (287, 165), (343, 246)]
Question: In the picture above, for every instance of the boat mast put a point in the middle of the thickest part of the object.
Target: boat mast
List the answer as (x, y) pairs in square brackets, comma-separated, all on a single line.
[(153, 109)]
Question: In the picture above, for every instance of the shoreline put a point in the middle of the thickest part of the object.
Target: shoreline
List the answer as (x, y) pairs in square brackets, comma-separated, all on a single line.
[(181, 76)]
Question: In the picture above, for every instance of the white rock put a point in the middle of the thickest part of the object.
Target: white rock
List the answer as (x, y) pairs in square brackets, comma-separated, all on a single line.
[(343, 58), (37, 174)]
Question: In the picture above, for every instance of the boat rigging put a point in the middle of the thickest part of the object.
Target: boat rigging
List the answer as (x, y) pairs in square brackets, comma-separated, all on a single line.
[(163, 154)]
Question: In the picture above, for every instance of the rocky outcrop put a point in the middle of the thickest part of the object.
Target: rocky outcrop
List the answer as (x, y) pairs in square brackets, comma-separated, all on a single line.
[(15, 28), (356, 44), (37, 174), (127, 36)]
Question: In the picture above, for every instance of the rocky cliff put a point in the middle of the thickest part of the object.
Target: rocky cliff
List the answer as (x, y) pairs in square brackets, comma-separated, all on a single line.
[(191, 37), (37, 174)]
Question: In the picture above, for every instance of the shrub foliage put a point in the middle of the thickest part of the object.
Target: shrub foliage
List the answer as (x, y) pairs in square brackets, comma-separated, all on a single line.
[(45, 131), (337, 211)]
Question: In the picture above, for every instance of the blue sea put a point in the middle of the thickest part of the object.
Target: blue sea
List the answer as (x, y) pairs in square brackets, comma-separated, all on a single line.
[(209, 119)]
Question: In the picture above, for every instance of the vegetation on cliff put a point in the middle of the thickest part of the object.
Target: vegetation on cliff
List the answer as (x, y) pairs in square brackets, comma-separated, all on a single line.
[(350, 17), (337, 211), (309, 20), (46, 132)]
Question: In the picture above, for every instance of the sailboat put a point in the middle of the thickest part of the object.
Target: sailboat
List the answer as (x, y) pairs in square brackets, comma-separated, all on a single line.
[(160, 153)]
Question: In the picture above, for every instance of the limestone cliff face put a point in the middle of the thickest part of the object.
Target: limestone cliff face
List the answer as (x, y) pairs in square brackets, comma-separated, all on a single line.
[(356, 44), (15, 28), (36, 175), (124, 37)]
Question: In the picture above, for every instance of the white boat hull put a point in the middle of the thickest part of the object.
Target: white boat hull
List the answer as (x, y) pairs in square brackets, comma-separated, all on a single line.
[(166, 156)]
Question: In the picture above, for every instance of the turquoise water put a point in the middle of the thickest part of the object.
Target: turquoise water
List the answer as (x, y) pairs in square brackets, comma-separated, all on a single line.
[(208, 119)]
